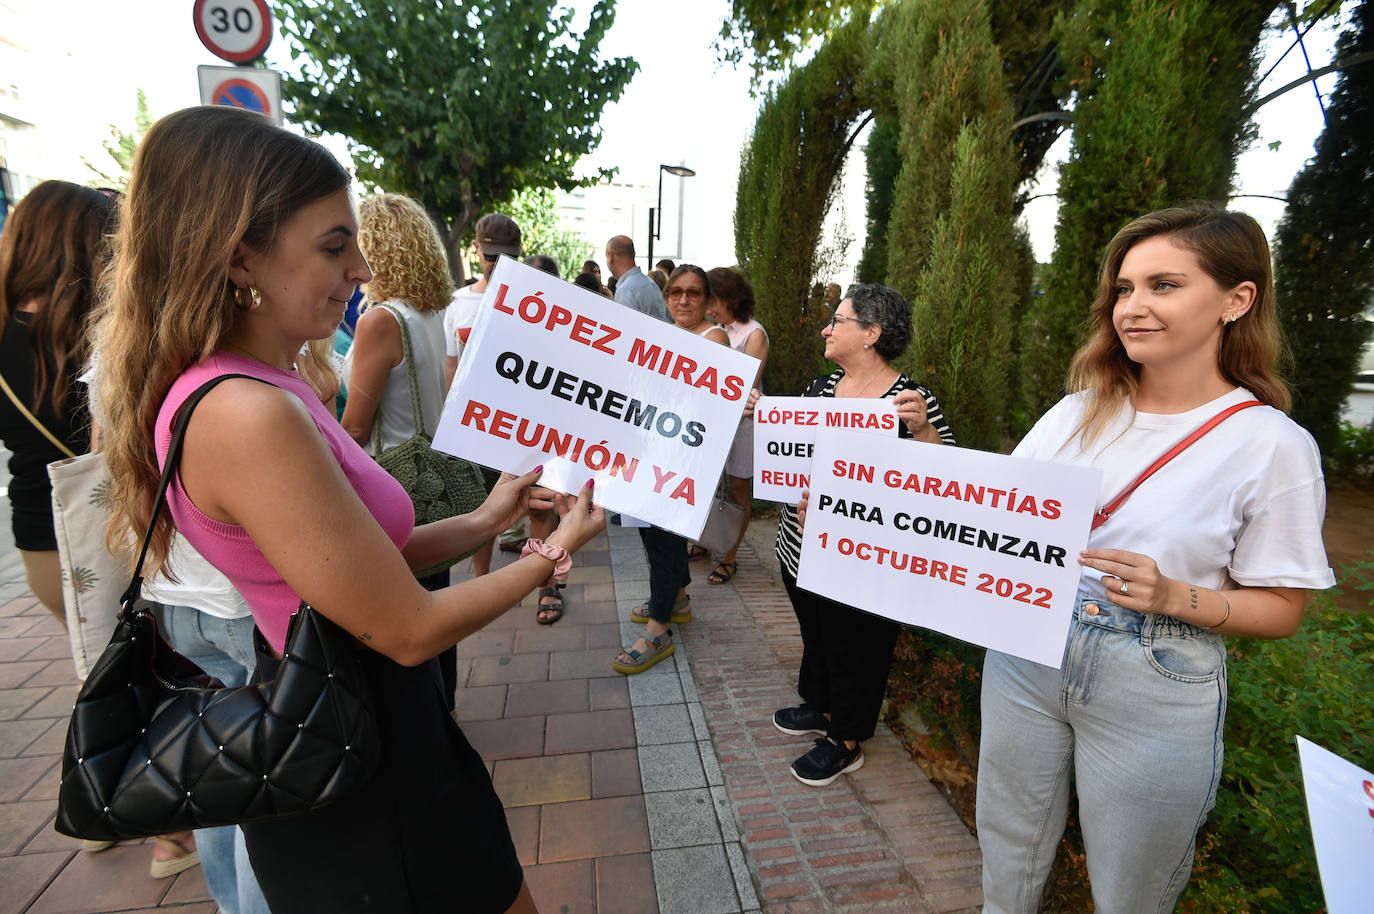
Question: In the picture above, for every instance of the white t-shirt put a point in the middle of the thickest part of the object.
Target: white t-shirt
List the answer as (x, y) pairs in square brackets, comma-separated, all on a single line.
[(1244, 503), (458, 319), (427, 347)]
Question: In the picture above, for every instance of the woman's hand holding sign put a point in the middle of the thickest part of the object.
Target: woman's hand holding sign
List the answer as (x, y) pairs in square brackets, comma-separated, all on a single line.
[(911, 409)]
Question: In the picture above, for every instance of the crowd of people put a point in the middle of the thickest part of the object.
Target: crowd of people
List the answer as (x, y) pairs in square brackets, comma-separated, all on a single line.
[(237, 250)]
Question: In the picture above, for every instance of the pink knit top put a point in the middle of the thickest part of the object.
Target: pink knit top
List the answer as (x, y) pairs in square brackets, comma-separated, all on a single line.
[(228, 546)]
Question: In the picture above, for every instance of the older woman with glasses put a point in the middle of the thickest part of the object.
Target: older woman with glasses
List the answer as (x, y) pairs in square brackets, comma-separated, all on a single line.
[(845, 651), (687, 293)]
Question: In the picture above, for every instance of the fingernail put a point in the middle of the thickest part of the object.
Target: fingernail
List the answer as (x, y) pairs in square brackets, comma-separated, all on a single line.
[(590, 482), (539, 469)]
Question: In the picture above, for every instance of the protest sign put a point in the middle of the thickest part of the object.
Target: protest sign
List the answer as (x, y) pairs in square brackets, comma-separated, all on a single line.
[(1340, 805), (976, 545), (557, 375), (785, 433)]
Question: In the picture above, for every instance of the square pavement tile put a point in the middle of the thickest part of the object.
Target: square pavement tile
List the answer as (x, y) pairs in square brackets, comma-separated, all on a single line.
[(19, 775), (506, 669), (695, 880), (585, 664), (682, 818), (16, 736), (548, 779), (113, 880), (488, 642), (502, 739), (673, 766), (614, 729), (604, 636), (609, 692), (565, 635), (526, 699), (14, 702), (625, 885), (523, 822), (564, 887), (650, 689), (25, 876), (615, 773), (665, 723), (480, 702), (592, 828)]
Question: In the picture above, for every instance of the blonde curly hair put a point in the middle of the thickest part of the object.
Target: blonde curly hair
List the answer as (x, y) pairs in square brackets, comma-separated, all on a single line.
[(405, 254)]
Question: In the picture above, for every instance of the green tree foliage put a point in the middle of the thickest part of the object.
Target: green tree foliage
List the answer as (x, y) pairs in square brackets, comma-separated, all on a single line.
[(883, 161), (775, 30), (1164, 126), (1324, 247), (535, 210), (786, 183), (951, 240), (458, 105), (120, 147)]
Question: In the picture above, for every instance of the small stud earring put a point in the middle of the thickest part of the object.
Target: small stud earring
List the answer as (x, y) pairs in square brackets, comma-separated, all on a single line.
[(868, 345)]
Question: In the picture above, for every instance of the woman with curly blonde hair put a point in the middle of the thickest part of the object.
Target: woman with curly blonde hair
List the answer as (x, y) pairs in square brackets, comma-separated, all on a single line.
[(410, 282), (238, 242)]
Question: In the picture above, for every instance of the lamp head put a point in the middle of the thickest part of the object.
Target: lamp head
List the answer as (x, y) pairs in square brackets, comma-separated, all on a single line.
[(682, 171)]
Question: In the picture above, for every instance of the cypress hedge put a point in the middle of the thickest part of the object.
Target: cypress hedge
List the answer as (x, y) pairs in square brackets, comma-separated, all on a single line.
[(1163, 125), (1324, 247)]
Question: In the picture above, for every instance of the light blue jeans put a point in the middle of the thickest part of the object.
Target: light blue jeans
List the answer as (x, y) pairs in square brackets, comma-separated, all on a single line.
[(1136, 716), (224, 649)]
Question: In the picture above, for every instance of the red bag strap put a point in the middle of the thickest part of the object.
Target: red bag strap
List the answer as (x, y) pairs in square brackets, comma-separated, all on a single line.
[(1109, 509)]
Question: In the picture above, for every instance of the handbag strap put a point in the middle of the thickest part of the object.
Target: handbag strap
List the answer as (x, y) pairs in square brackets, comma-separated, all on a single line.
[(183, 419), (14, 398), (417, 409), (1105, 512)]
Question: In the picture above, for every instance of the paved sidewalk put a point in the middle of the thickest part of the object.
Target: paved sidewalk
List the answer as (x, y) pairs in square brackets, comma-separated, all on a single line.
[(668, 791)]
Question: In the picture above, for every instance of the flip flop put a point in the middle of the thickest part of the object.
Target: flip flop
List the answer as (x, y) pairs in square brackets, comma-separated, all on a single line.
[(723, 572), (555, 608)]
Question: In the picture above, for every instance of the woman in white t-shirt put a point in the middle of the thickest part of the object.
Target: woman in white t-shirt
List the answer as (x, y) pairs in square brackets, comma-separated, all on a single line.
[(1225, 539)]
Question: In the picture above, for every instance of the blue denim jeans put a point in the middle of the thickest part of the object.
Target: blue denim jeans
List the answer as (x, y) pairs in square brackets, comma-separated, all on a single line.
[(224, 649), (1135, 714)]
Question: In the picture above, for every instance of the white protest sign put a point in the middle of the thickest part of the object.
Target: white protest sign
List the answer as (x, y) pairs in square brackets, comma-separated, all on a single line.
[(785, 433), (557, 375), (976, 545), (1340, 805)]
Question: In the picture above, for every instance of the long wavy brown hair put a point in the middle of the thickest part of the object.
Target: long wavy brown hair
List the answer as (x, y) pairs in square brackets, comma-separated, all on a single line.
[(51, 252), (1230, 248), (203, 180)]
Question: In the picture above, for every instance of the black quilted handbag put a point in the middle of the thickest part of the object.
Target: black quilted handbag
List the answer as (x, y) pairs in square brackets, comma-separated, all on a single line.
[(155, 745)]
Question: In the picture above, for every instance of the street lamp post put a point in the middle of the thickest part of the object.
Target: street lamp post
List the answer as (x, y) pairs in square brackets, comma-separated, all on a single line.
[(655, 227)]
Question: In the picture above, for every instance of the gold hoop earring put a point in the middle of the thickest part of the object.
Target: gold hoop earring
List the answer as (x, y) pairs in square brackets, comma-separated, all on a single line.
[(253, 299)]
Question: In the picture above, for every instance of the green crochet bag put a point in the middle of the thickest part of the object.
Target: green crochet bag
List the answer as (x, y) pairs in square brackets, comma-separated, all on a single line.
[(439, 485)]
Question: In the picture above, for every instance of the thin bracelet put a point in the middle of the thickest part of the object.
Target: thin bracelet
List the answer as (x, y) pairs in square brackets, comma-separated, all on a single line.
[(1223, 618)]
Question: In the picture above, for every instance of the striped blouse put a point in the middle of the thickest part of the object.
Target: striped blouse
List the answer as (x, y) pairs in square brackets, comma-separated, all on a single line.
[(788, 545)]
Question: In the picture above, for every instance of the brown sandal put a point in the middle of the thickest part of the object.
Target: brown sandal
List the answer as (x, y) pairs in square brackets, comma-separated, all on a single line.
[(549, 613)]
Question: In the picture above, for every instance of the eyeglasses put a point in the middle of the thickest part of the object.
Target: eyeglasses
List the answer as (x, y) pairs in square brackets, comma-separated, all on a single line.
[(691, 294), (836, 318), (489, 258)]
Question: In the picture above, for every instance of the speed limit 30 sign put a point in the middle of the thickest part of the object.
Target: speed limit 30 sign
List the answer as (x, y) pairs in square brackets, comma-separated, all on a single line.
[(234, 30)]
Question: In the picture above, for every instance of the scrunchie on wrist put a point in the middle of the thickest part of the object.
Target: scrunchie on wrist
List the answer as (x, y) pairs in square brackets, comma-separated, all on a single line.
[(562, 561)]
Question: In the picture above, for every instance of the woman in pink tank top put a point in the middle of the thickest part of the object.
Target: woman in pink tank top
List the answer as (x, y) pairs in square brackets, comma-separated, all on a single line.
[(237, 244)]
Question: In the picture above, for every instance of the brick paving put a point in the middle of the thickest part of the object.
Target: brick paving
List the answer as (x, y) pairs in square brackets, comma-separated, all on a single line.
[(665, 792)]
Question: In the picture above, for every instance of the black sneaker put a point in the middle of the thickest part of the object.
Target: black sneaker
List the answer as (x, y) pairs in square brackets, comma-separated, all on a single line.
[(827, 761), (800, 721)]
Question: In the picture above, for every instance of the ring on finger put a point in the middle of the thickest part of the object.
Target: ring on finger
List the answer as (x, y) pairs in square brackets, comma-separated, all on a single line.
[(1124, 588)]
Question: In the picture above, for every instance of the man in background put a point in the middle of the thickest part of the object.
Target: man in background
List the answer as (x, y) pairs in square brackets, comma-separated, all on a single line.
[(632, 287)]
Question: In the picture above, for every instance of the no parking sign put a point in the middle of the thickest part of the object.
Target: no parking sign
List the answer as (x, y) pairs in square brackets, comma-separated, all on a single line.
[(242, 87)]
